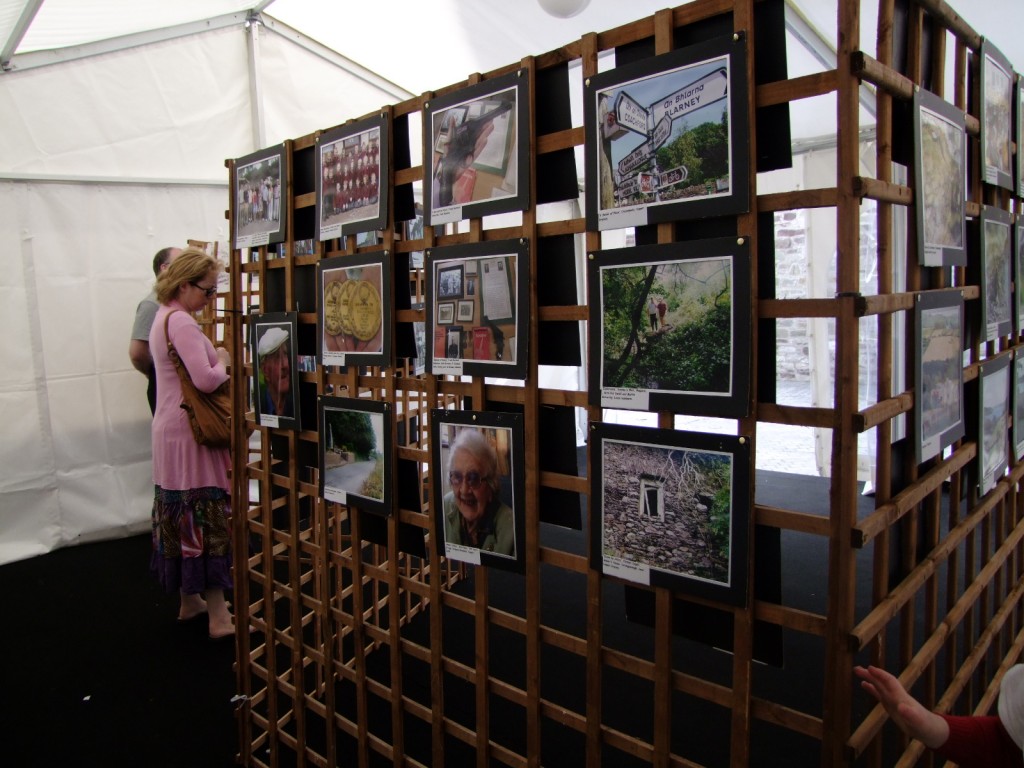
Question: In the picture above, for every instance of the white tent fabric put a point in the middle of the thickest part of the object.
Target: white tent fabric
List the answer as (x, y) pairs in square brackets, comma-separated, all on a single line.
[(105, 161), (116, 117)]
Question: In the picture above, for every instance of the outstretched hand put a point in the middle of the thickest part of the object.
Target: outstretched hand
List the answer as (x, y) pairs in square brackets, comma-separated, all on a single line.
[(907, 712)]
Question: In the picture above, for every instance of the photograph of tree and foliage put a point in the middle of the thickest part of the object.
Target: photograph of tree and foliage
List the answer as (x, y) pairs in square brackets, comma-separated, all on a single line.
[(353, 454), (668, 326), (667, 508)]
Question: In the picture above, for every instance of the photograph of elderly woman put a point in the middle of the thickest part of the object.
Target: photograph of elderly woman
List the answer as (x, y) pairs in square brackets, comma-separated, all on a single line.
[(478, 500)]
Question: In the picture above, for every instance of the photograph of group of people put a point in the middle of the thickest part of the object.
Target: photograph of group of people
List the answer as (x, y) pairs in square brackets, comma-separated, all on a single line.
[(259, 185), (350, 181)]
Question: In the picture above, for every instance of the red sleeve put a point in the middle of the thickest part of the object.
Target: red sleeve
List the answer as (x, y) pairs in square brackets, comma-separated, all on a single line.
[(980, 742)]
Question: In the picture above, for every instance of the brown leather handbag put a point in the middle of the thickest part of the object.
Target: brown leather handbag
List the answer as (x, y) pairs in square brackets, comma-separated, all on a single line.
[(209, 413)]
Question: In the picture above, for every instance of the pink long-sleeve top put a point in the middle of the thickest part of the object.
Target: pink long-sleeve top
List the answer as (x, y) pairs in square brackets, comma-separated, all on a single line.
[(179, 462)]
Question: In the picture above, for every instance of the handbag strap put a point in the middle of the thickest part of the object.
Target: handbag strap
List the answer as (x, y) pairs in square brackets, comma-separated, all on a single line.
[(171, 351)]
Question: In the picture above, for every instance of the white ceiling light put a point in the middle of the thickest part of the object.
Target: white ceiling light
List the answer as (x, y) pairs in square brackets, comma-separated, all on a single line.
[(563, 9)]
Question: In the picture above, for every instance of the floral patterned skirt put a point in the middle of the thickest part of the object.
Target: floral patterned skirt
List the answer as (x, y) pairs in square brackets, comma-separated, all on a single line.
[(192, 539)]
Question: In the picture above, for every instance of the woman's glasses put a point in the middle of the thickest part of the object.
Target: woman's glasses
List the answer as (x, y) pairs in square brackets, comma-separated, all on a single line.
[(210, 292), (472, 479)]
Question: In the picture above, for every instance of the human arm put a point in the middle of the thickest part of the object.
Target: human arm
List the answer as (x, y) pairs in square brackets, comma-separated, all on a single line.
[(907, 712), (201, 360), (138, 353), (138, 348), (979, 740)]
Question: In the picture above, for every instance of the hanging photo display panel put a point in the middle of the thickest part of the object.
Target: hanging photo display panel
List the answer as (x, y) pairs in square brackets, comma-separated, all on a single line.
[(476, 150), (1020, 135), (939, 372), (1018, 262), (996, 272), (670, 327), (671, 509), (354, 310), (996, 116), (352, 178), (478, 497), (666, 137), (356, 456), (994, 421), (272, 338), (940, 181), (259, 183), (478, 308), (1018, 407)]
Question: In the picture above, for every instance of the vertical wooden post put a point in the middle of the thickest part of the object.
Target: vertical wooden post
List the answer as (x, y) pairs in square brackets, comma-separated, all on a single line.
[(843, 492)]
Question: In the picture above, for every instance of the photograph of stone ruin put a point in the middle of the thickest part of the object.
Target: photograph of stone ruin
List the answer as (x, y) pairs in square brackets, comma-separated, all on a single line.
[(668, 508)]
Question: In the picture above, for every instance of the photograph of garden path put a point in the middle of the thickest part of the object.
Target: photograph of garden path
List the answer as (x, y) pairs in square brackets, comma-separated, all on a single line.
[(668, 508)]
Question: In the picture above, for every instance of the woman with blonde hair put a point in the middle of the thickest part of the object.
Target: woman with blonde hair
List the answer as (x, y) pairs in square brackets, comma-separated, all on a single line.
[(192, 506)]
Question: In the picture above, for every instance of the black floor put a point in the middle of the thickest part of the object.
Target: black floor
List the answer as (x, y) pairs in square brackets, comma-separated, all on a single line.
[(95, 670)]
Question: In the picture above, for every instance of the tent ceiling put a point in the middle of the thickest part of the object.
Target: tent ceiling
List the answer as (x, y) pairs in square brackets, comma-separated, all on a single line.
[(476, 36)]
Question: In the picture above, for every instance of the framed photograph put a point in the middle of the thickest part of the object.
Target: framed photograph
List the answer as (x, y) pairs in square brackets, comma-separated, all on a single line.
[(670, 327), (446, 313), (450, 281), (414, 231), (492, 338), (354, 311), (939, 371), (419, 331), (272, 339), (667, 137), (1020, 135), (478, 490), (475, 145), (996, 116), (352, 178), (994, 421), (356, 454), (940, 181), (1018, 261), (258, 183), (671, 509), (996, 272), (1018, 407)]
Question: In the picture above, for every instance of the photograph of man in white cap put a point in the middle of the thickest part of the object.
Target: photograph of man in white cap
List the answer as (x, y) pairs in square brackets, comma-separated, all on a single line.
[(275, 366)]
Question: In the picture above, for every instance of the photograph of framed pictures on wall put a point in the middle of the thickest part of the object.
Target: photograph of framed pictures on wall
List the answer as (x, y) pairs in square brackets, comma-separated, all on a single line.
[(670, 327), (476, 150), (938, 365), (940, 181), (354, 310), (671, 509), (479, 486), (994, 421), (272, 339), (258, 182), (666, 137), (356, 456), (996, 272), (491, 340), (996, 116), (352, 178)]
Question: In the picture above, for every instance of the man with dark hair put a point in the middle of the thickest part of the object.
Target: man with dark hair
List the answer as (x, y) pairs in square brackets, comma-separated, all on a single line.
[(138, 348)]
